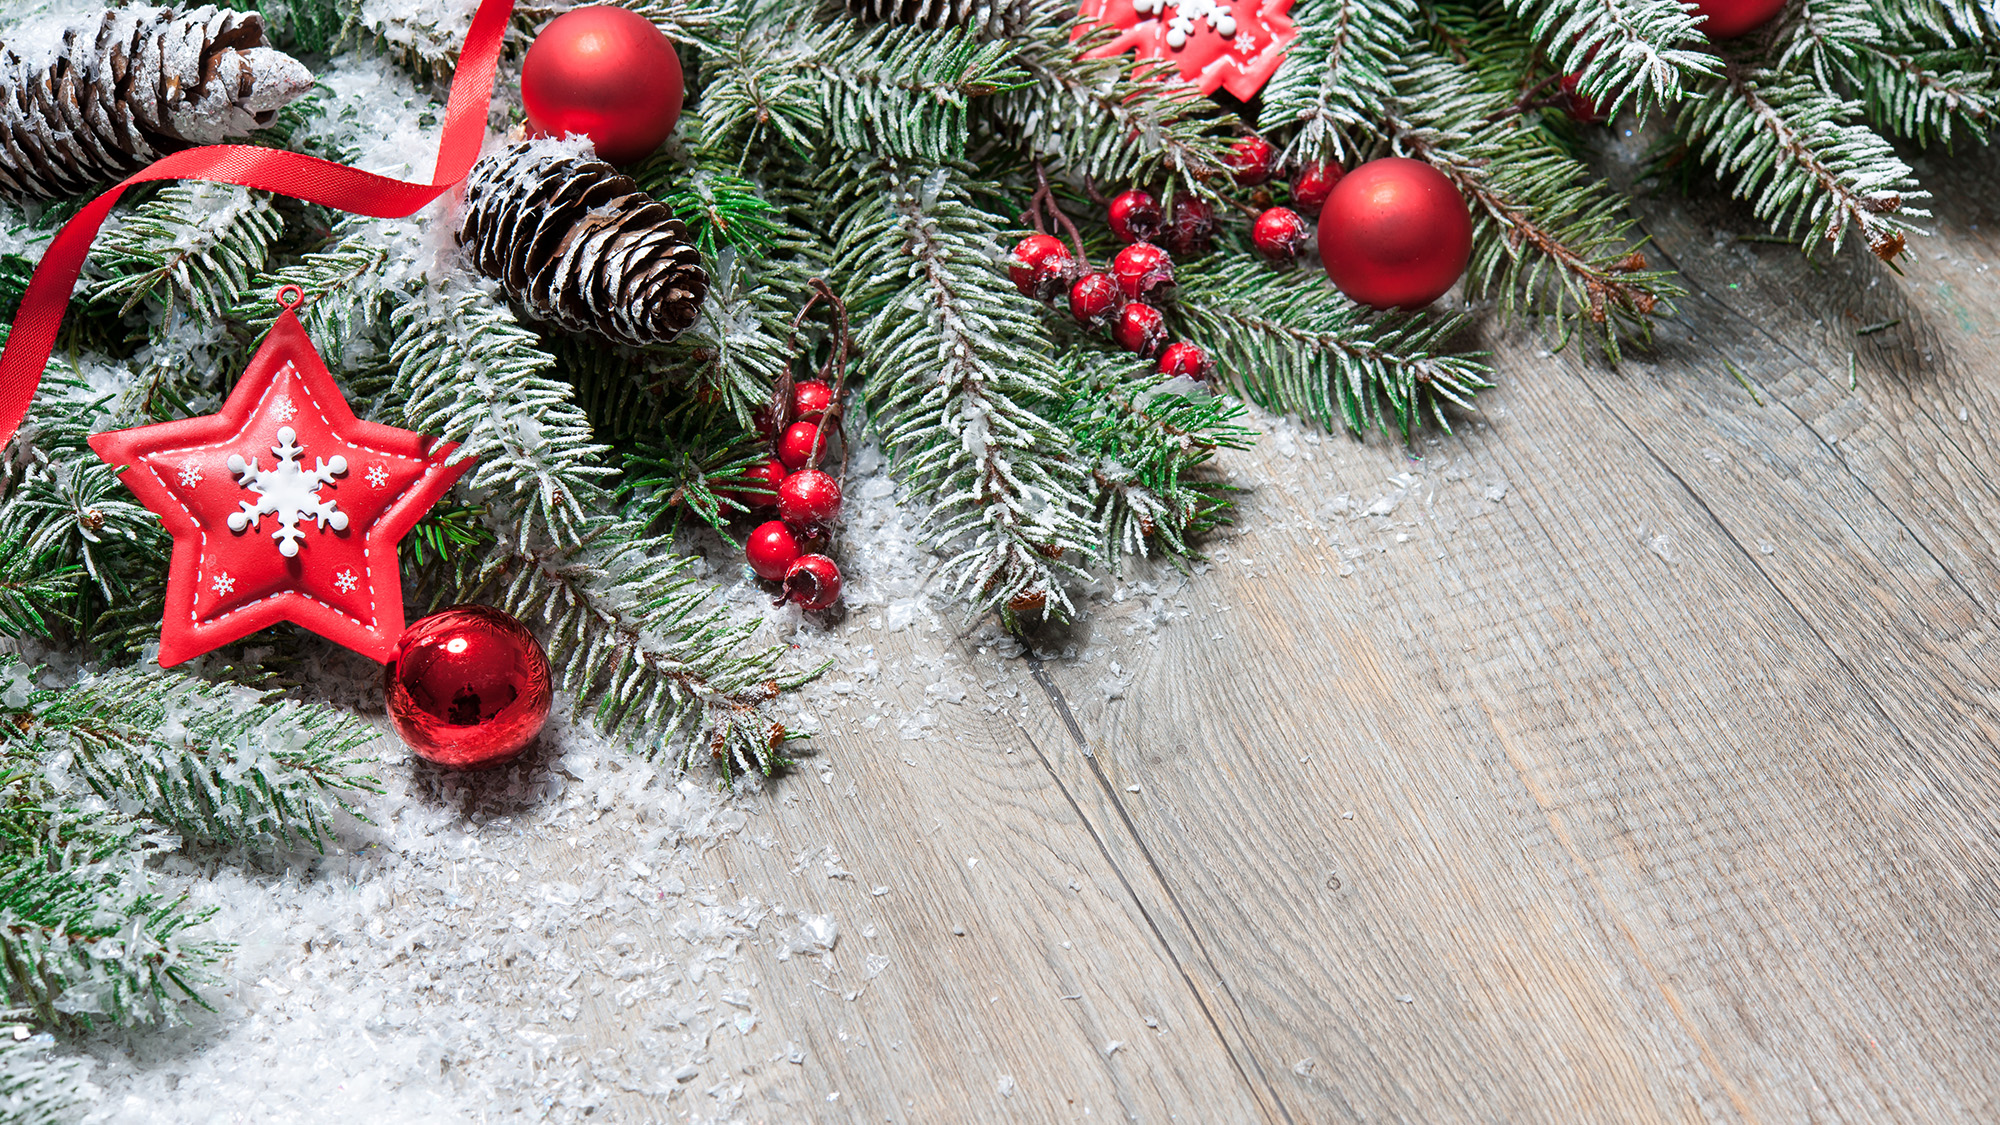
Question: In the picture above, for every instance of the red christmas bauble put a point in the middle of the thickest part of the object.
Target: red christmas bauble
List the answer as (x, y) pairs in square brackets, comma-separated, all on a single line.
[(608, 74), (1728, 19), (1395, 233), (468, 687)]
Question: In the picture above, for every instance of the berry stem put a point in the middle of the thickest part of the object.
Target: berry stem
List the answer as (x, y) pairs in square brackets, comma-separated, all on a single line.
[(1046, 198)]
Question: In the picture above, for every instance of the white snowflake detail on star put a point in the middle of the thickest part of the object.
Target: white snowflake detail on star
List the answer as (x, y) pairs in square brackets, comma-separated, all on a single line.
[(190, 473), (345, 581), (378, 476), (288, 492), (223, 584), (285, 408), (1180, 25)]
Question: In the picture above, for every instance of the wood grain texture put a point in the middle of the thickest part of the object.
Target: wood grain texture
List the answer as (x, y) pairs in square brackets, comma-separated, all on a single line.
[(1632, 755)]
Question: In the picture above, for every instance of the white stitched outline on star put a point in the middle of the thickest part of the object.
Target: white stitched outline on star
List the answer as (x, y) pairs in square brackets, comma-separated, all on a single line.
[(224, 584), (345, 581), (377, 476), (287, 491), (190, 473)]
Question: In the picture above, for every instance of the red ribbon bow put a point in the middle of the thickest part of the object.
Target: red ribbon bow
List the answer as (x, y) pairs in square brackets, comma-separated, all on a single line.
[(287, 173)]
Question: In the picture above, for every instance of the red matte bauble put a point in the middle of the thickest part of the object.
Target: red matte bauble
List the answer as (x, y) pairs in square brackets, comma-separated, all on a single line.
[(1728, 19), (608, 74), (1395, 233), (468, 687)]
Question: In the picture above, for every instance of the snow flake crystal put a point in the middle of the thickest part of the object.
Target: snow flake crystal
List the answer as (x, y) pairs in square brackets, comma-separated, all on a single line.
[(287, 491)]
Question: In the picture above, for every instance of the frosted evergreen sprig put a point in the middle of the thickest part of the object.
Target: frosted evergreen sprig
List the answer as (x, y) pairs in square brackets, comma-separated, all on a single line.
[(39, 1086), (1294, 347), (958, 366), (196, 245), (1637, 54), (1338, 74), (1807, 167), (1147, 439)]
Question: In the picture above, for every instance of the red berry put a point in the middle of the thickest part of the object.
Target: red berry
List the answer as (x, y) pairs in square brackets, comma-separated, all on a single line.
[(1183, 358), (771, 550), (1142, 270), (813, 582), (1135, 216), (1093, 298), (1280, 234), (1313, 184), (1139, 328), (759, 485), (808, 497), (1193, 225), (796, 450), (1581, 108), (1250, 160), (810, 400), (765, 421), (1042, 267)]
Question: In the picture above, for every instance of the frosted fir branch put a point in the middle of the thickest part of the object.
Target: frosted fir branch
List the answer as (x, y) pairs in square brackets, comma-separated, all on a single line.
[(957, 364), (1293, 347), (629, 628), (1549, 242), (737, 348), (1825, 38), (1926, 95), (40, 1087), (467, 372), (347, 285), (1148, 440), (212, 762), (1095, 120), (96, 941), (1337, 75), (702, 23), (1629, 52), (1802, 161), (195, 244)]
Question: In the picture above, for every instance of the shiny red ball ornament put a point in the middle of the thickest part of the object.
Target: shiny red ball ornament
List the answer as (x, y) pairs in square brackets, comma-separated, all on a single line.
[(801, 446), (1183, 358), (1251, 160), (1313, 184), (468, 687), (1143, 271), (813, 582), (608, 74), (1140, 329), (1395, 233), (771, 550), (758, 485), (811, 399), (1279, 234), (808, 498), (1728, 19), (1094, 298), (1135, 216), (1042, 267), (1192, 227)]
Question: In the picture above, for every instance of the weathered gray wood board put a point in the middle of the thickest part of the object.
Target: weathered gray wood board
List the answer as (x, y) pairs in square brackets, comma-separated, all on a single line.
[(1641, 763)]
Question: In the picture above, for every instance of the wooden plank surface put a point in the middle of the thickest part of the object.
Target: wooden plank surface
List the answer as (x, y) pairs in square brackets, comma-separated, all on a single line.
[(1632, 755)]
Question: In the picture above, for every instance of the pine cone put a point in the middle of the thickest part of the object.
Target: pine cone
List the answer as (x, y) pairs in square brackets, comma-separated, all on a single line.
[(991, 19), (96, 100), (580, 245)]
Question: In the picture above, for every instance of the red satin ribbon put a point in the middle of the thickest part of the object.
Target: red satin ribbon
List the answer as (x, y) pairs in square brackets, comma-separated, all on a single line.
[(286, 173)]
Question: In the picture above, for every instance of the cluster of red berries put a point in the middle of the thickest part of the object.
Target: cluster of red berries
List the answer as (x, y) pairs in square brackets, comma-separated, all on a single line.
[(1126, 299), (786, 550)]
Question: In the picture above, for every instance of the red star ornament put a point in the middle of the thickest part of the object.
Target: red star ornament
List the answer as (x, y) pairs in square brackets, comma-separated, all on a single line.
[(1232, 44), (283, 506)]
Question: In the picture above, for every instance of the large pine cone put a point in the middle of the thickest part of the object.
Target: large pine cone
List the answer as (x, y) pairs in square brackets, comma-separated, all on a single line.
[(991, 19), (99, 99), (580, 245)]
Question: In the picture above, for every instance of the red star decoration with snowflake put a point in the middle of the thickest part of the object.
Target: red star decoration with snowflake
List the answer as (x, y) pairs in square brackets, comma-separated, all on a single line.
[(283, 506), (1216, 44)]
